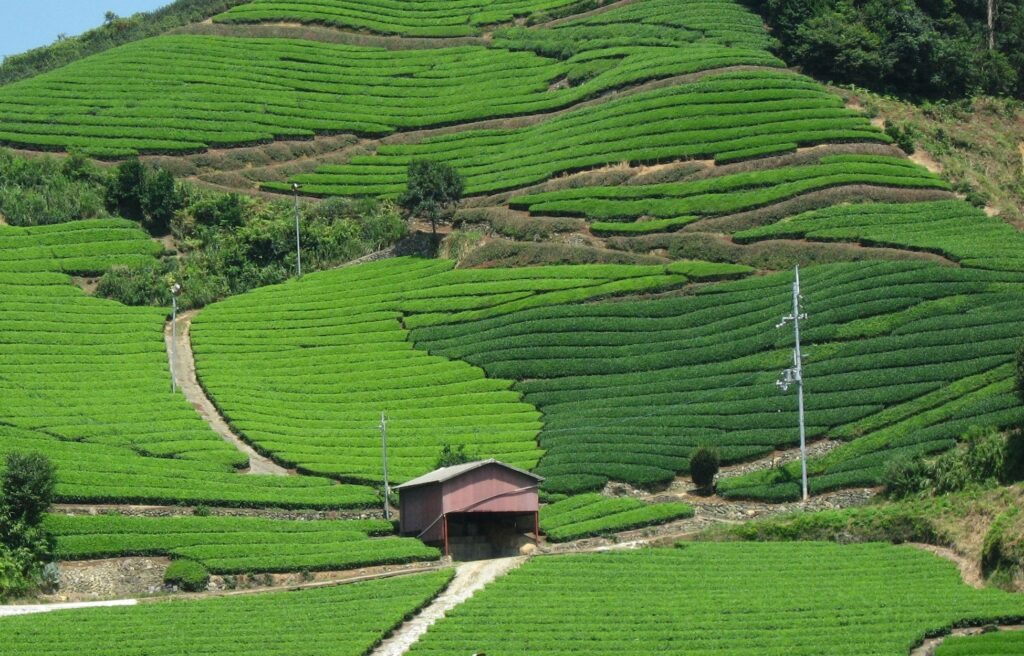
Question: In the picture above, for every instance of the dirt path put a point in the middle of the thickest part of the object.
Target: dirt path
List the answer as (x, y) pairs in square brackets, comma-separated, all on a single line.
[(11, 611), (929, 646), (188, 383), (469, 578), (970, 571)]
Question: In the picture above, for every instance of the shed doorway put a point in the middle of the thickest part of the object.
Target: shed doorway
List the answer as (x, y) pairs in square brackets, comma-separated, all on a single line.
[(484, 535)]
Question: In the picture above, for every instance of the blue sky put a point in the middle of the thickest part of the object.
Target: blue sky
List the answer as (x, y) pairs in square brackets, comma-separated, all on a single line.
[(26, 24)]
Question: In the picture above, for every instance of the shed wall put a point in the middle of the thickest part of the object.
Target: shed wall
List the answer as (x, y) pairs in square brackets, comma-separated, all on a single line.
[(491, 488), (419, 507)]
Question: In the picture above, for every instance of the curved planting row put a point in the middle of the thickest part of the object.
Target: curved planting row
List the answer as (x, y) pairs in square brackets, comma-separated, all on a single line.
[(615, 210), (345, 620), (952, 228), (721, 115), (630, 389), (185, 93), (304, 370), (234, 545), (797, 599), (87, 382), (423, 18), (586, 515)]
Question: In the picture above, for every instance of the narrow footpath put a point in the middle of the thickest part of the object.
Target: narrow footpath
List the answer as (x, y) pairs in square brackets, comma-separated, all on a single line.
[(184, 366), (29, 609), (469, 579)]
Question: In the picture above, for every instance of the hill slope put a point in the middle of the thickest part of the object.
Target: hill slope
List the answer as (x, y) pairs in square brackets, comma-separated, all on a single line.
[(671, 132)]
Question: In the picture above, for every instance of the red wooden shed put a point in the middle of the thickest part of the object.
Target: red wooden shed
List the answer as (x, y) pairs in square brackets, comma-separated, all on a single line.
[(472, 505)]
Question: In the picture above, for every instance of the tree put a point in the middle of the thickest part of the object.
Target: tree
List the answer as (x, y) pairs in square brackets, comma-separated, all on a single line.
[(160, 200), (124, 191), (26, 492), (704, 464), (434, 191), (450, 456), (149, 196)]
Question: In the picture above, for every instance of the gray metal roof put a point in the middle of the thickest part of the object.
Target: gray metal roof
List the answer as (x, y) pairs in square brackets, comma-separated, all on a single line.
[(448, 473)]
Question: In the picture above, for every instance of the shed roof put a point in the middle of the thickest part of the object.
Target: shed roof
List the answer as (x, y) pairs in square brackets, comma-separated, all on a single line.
[(447, 473)]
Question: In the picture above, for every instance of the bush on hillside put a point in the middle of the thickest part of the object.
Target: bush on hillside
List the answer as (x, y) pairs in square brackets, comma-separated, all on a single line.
[(187, 576), (904, 477), (452, 456), (45, 190), (26, 492), (150, 196), (985, 458), (704, 465)]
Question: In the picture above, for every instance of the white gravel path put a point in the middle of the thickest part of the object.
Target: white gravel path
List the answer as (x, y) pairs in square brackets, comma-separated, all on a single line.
[(11, 611), (469, 579)]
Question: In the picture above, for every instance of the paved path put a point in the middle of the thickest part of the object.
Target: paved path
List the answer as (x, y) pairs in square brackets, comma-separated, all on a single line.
[(185, 374), (10, 611), (469, 579)]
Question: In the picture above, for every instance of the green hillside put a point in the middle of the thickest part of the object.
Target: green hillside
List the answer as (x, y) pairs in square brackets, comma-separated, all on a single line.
[(548, 110), (855, 600), (86, 381)]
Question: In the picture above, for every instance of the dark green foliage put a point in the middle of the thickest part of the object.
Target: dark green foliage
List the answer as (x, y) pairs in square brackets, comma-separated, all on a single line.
[(26, 487), (432, 192), (187, 575), (26, 491), (1019, 371), (237, 243), (114, 32), (452, 456), (912, 48), (985, 458), (704, 464), (904, 477), (150, 196), (902, 135), (45, 190)]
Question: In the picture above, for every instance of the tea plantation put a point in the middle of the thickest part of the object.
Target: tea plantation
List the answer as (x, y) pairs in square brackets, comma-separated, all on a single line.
[(746, 599), (346, 620), (86, 382), (641, 178), (320, 359), (230, 545)]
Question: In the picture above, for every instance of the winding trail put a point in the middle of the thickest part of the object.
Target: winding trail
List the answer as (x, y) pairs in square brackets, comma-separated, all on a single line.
[(469, 579), (184, 367)]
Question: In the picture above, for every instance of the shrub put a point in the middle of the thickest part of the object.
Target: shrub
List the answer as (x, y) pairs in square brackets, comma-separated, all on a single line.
[(704, 464), (187, 575), (452, 456), (904, 477), (1020, 371), (26, 491), (902, 134)]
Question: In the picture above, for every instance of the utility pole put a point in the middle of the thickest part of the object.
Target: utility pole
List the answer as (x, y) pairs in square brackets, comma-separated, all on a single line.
[(384, 448), (298, 241), (796, 374), (992, 9), (175, 290)]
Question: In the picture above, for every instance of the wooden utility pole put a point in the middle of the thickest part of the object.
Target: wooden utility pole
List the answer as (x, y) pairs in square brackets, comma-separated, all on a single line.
[(993, 7)]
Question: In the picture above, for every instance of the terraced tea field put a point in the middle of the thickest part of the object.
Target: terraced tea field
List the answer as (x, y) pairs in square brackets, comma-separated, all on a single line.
[(587, 515), (341, 621), (86, 381), (236, 545), (320, 359), (721, 599), (630, 388), (429, 18)]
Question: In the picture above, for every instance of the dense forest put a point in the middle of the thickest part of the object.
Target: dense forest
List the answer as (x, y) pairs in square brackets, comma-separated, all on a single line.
[(919, 49)]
